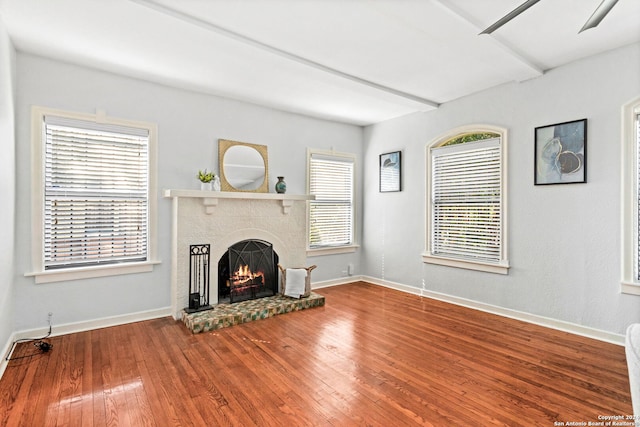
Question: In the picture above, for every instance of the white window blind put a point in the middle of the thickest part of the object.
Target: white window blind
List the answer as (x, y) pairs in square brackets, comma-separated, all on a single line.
[(96, 206), (331, 213), (466, 201)]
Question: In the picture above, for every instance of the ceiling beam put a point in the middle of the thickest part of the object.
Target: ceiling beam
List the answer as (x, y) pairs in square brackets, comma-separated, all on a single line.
[(280, 52), (533, 69)]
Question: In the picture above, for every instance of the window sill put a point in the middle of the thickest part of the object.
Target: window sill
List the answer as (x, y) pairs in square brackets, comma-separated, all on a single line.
[(501, 268), (332, 250), (630, 288), (50, 276)]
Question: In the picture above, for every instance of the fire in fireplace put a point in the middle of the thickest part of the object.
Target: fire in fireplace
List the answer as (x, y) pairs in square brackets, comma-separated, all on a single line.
[(247, 270), (245, 277)]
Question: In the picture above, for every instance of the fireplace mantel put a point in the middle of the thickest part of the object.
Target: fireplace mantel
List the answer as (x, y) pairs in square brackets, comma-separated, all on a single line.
[(210, 198)]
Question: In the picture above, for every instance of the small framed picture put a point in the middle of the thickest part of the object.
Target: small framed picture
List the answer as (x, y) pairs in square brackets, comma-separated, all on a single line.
[(391, 172), (561, 153)]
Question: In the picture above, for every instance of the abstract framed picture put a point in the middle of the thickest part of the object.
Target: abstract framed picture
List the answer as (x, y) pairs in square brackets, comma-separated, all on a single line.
[(561, 153), (391, 172)]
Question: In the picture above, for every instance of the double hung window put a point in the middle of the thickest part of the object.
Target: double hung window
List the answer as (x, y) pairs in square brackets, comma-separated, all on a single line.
[(331, 214), (94, 178)]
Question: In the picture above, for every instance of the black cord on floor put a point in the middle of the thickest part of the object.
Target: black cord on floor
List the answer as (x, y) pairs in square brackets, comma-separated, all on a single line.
[(44, 346)]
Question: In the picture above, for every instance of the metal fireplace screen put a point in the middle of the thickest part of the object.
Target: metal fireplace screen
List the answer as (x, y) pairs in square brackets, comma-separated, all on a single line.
[(248, 271)]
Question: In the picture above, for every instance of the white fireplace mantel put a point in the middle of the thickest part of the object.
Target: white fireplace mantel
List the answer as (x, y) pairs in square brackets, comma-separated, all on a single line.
[(210, 198)]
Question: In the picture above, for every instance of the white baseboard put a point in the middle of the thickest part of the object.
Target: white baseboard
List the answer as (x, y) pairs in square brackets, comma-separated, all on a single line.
[(488, 308), (70, 328), (335, 282), (5, 353), (105, 322)]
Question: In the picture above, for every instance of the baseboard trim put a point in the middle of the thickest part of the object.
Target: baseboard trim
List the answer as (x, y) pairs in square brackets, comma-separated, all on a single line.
[(105, 322), (5, 353), (70, 328), (335, 282), (547, 322)]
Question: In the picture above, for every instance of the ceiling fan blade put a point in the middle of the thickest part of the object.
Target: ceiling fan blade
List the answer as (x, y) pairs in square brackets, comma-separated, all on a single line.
[(599, 14), (509, 16)]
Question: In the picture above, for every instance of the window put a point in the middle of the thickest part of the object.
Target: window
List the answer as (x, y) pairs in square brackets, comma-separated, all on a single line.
[(93, 207), (466, 210), (631, 198), (331, 214)]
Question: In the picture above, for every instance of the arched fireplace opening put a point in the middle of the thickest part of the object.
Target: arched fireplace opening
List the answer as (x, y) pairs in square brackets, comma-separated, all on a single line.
[(247, 270)]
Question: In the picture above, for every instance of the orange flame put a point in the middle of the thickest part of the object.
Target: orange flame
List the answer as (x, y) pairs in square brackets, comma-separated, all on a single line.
[(245, 275)]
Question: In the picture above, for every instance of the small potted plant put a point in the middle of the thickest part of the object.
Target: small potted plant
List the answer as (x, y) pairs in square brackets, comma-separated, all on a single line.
[(206, 179)]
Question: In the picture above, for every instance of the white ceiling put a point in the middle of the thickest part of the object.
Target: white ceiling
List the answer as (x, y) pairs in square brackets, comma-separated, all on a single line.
[(354, 61)]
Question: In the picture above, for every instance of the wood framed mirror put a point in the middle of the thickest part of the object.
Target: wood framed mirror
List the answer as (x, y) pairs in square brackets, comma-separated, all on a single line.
[(243, 166)]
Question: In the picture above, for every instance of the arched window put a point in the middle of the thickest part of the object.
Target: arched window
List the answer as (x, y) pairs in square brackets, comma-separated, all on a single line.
[(466, 193)]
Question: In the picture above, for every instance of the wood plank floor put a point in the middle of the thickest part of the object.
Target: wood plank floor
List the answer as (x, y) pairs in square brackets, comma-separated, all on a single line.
[(372, 356)]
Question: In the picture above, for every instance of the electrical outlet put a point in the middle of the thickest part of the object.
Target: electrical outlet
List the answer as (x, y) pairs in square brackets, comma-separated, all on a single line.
[(49, 316)]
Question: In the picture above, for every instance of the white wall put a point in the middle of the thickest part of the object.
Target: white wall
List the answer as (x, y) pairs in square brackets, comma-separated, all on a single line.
[(189, 125), (7, 185), (564, 240)]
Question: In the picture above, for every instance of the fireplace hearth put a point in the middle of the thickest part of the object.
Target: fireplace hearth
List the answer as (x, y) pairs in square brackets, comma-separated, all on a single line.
[(247, 270)]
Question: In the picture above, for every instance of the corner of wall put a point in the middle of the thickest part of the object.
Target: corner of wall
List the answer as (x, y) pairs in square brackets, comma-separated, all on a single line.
[(7, 188)]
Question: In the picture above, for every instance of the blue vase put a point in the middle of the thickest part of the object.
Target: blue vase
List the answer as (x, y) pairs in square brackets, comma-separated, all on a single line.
[(281, 186)]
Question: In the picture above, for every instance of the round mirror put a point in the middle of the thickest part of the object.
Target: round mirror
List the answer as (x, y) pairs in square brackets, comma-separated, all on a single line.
[(243, 166)]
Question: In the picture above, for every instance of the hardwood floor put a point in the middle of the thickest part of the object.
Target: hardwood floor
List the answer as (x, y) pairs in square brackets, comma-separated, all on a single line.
[(371, 356)]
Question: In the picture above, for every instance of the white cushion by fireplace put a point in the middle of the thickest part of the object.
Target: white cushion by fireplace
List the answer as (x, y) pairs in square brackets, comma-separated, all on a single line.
[(296, 278)]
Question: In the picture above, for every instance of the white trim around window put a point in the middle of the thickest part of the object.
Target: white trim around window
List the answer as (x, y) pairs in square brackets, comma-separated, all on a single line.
[(496, 262), (76, 271), (630, 283)]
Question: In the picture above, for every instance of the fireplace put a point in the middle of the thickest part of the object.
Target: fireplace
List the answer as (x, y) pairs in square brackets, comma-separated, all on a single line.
[(224, 218), (247, 270)]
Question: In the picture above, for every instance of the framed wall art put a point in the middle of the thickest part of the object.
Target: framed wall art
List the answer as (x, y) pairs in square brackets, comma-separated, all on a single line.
[(561, 153), (391, 172)]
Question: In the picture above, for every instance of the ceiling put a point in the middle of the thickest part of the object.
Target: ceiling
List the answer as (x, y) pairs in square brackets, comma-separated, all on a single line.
[(353, 61)]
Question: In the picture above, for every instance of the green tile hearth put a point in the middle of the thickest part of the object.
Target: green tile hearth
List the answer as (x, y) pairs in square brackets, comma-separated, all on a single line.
[(225, 315)]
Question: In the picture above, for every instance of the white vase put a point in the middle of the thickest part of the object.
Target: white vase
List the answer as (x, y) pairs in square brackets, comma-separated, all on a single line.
[(205, 186), (216, 183)]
